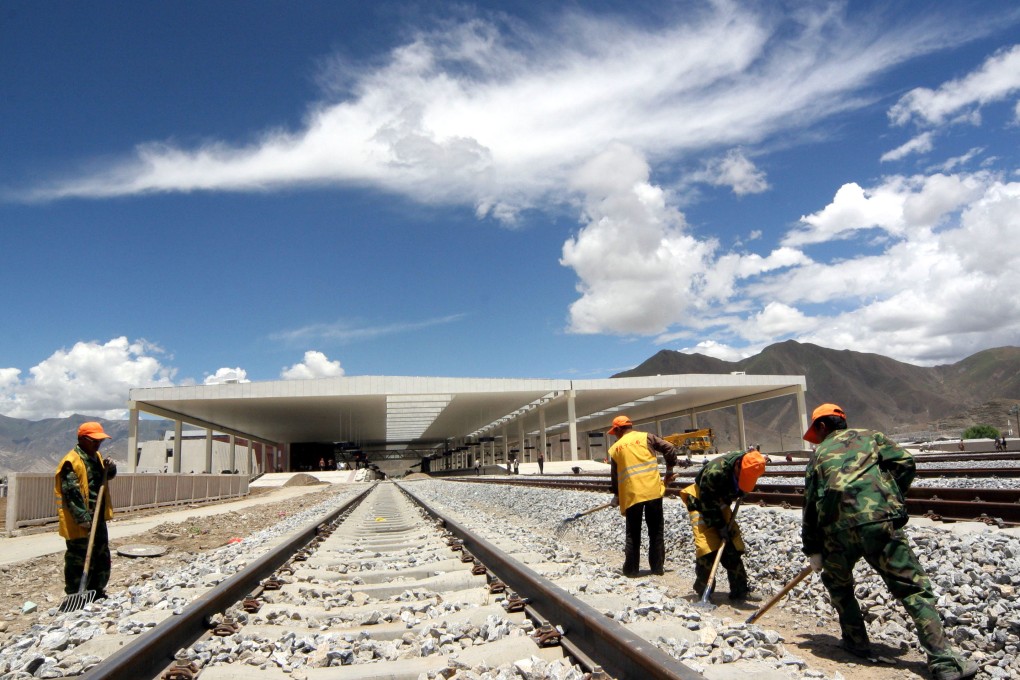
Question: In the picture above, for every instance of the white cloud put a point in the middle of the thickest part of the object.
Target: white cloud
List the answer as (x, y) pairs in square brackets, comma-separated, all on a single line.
[(936, 281), (342, 332), (718, 350), (919, 144), (951, 164), (90, 378), (640, 271), (227, 375), (315, 365), (777, 320), (997, 79), (462, 115), (733, 170), (895, 208), (637, 267), (942, 286)]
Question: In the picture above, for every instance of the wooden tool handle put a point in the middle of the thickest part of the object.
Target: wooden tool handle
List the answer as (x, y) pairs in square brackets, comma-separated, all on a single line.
[(718, 556), (780, 595), (92, 532)]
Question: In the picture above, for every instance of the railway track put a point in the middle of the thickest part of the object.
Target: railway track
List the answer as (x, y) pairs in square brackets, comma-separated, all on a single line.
[(1000, 507), (383, 587)]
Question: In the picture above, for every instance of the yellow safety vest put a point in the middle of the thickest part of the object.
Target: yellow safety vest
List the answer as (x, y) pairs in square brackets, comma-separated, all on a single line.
[(706, 538), (70, 529), (637, 470)]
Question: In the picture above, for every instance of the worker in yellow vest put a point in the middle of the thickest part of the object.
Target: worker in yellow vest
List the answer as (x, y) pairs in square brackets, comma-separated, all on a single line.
[(638, 490), (80, 477)]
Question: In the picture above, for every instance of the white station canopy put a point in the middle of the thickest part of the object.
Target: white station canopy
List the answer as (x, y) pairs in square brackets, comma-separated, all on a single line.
[(389, 412)]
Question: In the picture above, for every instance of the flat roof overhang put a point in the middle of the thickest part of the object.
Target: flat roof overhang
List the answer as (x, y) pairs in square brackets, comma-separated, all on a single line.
[(378, 412)]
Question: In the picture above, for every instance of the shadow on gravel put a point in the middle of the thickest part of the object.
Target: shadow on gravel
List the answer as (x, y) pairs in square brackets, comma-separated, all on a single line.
[(830, 647)]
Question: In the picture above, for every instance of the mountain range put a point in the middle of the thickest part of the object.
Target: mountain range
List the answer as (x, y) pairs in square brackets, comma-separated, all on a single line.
[(38, 445), (876, 392)]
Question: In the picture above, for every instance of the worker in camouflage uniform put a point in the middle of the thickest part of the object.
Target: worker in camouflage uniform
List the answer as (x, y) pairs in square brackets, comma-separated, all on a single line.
[(721, 481), (78, 480), (854, 507)]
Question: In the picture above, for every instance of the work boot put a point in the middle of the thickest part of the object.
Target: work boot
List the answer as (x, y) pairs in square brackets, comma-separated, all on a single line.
[(969, 670), (749, 596), (862, 651)]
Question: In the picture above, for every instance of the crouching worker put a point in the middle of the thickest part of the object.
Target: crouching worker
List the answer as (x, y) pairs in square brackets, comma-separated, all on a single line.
[(853, 508), (723, 480)]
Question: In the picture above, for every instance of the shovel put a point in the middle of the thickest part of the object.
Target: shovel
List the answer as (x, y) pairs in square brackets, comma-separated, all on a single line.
[(75, 601), (562, 526), (778, 596), (703, 603)]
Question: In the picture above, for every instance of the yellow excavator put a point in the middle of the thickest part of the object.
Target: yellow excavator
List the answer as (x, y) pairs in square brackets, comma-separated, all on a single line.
[(693, 442)]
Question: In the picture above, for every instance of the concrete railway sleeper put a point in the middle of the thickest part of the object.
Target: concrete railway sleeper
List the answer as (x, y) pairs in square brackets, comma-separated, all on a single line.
[(385, 588)]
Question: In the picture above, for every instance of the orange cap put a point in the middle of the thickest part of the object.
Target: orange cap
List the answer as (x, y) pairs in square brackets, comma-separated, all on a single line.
[(92, 431), (752, 465), (620, 422), (823, 410)]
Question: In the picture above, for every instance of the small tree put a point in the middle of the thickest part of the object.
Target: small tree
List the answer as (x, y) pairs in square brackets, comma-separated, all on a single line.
[(980, 432)]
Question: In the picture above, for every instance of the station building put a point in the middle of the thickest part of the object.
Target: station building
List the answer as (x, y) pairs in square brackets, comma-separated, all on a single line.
[(387, 421)]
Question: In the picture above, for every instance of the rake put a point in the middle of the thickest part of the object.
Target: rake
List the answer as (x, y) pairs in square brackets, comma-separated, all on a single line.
[(562, 526)]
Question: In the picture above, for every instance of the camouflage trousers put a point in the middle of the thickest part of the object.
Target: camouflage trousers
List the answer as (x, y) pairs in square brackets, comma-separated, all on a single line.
[(731, 561), (888, 552), (99, 570)]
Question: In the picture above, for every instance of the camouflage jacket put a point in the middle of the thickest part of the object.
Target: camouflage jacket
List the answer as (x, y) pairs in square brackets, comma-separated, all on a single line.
[(81, 511), (717, 488), (855, 477)]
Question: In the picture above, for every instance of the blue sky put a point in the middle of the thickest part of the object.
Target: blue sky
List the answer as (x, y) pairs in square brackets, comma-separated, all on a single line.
[(195, 191)]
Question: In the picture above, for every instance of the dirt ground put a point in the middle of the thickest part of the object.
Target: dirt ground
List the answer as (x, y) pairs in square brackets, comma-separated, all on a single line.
[(41, 581), (817, 645)]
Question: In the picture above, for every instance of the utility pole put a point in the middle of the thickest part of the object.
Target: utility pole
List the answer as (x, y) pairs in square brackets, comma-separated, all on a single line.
[(1015, 411)]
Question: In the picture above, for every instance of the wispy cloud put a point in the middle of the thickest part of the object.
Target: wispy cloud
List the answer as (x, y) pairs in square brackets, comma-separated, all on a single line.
[(961, 100), (467, 115), (344, 332), (922, 143)]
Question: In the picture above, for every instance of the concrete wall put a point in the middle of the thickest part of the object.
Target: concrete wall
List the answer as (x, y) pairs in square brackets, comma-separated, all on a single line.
[(156, 456)]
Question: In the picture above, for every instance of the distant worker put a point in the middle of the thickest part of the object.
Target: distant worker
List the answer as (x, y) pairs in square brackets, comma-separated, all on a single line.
[(720, 482), (517, 467), (79, 476), (478, 467), (638, 490), (322, 463), (541, 462), (853, 508)]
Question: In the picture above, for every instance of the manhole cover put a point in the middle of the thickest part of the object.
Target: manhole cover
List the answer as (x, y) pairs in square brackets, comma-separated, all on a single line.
[(140, 550)]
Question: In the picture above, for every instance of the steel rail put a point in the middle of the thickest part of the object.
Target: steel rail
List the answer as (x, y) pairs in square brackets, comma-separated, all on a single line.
[(156, 648), (992, 506), (619, 652), (772, 471)]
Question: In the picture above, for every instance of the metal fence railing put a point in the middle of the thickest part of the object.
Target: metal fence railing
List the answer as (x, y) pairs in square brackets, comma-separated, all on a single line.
[(31, 500)]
